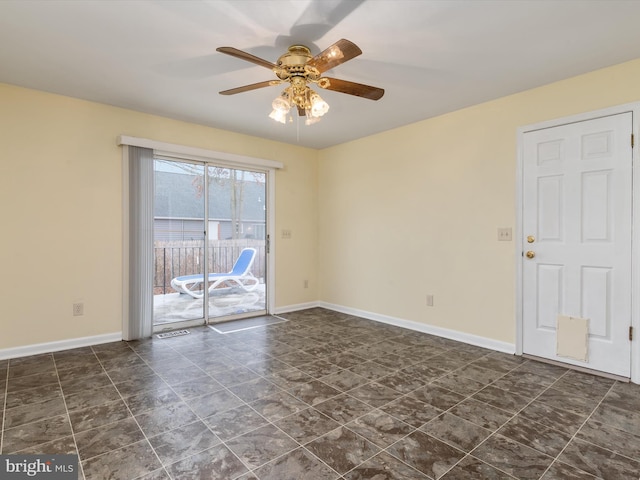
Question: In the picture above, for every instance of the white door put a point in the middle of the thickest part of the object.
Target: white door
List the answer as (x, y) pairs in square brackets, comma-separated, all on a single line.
[(577, 199)]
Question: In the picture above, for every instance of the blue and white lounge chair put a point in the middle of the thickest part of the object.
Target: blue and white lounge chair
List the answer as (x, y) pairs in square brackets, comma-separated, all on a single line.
[(240, 276)]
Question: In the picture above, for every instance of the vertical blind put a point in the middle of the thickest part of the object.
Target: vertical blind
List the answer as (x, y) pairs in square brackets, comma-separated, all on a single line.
[(140, 321)]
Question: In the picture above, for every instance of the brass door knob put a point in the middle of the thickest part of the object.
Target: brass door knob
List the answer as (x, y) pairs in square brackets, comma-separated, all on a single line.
[(531, 239), (531, 254)]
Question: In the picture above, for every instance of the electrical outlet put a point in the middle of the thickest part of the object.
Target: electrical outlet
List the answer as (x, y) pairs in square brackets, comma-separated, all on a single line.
[(286, 234), (505, 234), (429, 300), (306, 284), (78, 309)]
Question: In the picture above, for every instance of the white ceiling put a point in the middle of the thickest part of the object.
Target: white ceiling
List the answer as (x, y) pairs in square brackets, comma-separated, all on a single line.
[(431, 57)]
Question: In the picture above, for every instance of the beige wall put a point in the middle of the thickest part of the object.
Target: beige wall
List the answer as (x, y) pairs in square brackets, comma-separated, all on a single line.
[(376, 223), (61, 211), (415, 210)]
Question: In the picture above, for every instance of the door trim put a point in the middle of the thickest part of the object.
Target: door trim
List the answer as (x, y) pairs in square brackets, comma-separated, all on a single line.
[(634, 108)]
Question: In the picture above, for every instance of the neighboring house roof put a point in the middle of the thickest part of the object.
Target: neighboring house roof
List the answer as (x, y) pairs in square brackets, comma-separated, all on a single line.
[(176, 196)]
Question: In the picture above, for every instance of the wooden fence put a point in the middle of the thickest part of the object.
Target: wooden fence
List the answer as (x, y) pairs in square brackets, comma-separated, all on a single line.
[(176, 258)]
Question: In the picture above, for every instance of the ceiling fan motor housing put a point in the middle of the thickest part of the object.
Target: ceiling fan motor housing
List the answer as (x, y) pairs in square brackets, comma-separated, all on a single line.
[(294, 64)]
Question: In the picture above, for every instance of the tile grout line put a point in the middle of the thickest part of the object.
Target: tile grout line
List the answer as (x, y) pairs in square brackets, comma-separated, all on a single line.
[(439, 414), (557, 458), (341, 393), (272, 423), (492, 466), (415, 429), (56, 382), (222, 442), (542, 392), (131, 413), (269, 422), (302, 446), (496, 430), (66, 409), (520, 411), (321, 461), (615, 428), (407, 394), (240, 361)]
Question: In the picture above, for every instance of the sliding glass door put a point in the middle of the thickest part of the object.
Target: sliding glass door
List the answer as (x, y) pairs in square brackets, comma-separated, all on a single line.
[(237, 242), (209, 243), (179, 241)]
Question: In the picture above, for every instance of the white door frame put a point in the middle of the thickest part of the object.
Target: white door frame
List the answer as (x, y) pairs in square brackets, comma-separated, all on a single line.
[(634, 108)]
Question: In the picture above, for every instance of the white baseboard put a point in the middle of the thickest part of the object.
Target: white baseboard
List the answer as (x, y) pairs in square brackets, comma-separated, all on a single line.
[(476, 340), (49, 347), (399, 322), (296, 307), (424, 328)]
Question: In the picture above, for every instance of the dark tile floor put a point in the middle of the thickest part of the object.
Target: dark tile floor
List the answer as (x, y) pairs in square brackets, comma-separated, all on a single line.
[(322, 396)]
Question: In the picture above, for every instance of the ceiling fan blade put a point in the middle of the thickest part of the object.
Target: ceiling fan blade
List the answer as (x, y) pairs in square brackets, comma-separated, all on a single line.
[(352, 88), (234, 52), (253, 86), (338, 53)]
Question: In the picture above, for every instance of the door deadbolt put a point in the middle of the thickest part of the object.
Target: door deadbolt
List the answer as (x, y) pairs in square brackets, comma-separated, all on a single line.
[(531, 239)]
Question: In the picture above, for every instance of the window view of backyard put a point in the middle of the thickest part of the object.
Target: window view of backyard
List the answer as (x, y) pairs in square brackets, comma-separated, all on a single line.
[(229, 245)]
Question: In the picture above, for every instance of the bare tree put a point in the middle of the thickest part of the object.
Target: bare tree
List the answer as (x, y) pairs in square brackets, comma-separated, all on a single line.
[(236, 179)]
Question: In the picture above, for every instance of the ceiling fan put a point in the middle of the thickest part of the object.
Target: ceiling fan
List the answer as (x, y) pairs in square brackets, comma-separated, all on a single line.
[(298, 68)]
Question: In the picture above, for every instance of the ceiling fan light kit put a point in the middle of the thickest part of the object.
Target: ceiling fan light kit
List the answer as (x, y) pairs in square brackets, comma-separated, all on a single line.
[(301, 96), (281, 107), (299, 69)]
